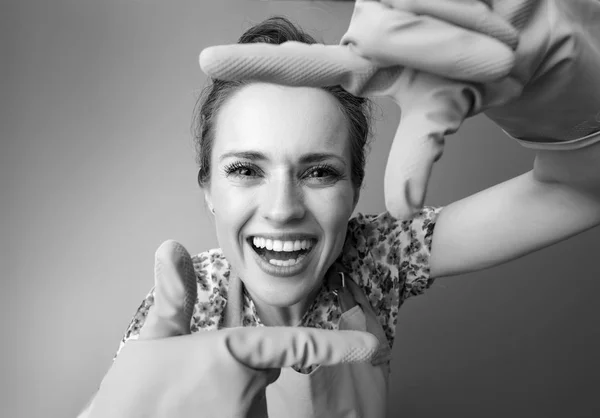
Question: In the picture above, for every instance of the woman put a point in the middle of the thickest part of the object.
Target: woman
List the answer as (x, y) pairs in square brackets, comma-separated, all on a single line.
[(281, 169)]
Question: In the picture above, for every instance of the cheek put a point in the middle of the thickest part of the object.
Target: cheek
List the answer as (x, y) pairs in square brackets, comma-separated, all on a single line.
[(332, 211), (229, 199), (232, 210)]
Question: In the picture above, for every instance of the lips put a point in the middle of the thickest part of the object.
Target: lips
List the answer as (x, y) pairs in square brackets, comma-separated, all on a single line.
[(287, 254)]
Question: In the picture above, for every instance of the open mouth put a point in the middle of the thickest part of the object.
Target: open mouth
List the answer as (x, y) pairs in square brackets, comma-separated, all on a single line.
[(282, 253)]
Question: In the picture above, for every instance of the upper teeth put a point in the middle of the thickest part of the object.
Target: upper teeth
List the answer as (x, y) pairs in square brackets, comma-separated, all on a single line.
[(278, 245)]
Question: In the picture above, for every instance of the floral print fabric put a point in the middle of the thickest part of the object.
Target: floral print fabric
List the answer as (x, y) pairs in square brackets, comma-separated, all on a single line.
[(388, 258)]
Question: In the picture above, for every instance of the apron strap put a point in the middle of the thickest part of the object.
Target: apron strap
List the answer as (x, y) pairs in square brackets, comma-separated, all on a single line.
[(337, 282), (349, 295)]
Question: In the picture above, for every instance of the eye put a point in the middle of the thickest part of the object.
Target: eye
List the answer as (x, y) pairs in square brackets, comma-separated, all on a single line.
[(322, 172), (240, 169)]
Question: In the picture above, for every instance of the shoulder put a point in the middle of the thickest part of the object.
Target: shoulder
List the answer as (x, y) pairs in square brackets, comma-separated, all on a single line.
[(384, 238), (389, 257)]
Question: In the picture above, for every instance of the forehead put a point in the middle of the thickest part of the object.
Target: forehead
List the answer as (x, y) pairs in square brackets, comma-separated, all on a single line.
[(281, 121)]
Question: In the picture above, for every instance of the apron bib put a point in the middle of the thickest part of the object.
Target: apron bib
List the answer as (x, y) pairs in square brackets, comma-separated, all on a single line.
[(356, 390)]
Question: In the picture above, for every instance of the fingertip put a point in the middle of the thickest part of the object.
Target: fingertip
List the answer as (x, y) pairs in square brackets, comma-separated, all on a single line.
[(165, 248), (404, 197), (364, 349), (172, 251), (206, 58), (401, 207)]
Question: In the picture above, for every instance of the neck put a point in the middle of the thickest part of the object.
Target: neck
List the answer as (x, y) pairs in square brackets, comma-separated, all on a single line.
[(287, 316)]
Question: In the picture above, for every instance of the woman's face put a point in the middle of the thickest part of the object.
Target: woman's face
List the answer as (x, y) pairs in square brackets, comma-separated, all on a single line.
[(281, 188)]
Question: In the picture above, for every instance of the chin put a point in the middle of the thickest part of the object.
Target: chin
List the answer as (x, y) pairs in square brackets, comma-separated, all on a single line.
[(279, 293)]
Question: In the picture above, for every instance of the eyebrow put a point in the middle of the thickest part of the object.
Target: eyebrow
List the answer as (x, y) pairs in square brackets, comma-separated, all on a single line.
[(315, 157)]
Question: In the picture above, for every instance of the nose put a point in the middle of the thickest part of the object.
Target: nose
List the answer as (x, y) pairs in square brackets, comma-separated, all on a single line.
[(282, 200)]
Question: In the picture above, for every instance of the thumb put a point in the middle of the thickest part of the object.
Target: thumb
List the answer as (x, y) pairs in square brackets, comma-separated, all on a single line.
[(276, 347), (175, 293)]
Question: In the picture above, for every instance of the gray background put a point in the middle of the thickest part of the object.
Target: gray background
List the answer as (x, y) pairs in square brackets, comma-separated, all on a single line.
[(97, 169)]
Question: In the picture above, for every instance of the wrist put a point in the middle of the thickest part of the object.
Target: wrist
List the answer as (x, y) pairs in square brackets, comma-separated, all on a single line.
[(577, 168)]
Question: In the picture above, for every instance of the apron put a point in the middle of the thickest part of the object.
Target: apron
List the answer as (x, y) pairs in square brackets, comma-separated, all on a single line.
[(356, 390)]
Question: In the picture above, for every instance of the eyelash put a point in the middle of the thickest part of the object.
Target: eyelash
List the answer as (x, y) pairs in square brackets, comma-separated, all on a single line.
[(331, 172), (233, 168)]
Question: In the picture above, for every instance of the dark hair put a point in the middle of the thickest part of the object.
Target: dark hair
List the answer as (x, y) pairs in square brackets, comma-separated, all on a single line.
[(277, 30)]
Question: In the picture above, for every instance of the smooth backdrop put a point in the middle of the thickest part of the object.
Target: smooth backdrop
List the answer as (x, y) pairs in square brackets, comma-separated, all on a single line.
[(97, 169)]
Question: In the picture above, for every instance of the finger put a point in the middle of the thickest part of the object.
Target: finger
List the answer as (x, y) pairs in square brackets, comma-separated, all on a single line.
[(475, 15), (407, 178), (517, 12), (175, 293), (431, 108), (291, 63), (391, 37), (276, 347)]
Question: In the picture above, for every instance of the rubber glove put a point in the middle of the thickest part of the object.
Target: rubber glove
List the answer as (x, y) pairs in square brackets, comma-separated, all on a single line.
[(168, 372), (551, 100), (557, 70), (395, 53)]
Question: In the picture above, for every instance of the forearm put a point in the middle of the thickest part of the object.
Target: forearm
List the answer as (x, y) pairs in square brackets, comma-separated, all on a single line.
[(508, 221)]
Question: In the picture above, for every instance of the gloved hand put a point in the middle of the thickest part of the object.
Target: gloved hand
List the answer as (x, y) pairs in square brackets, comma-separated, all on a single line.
[(379, 56), (557, 68), (550, 100), (168, 372)]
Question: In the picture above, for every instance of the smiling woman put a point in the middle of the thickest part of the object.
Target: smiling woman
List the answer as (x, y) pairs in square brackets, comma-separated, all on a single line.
[(281, 169)]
